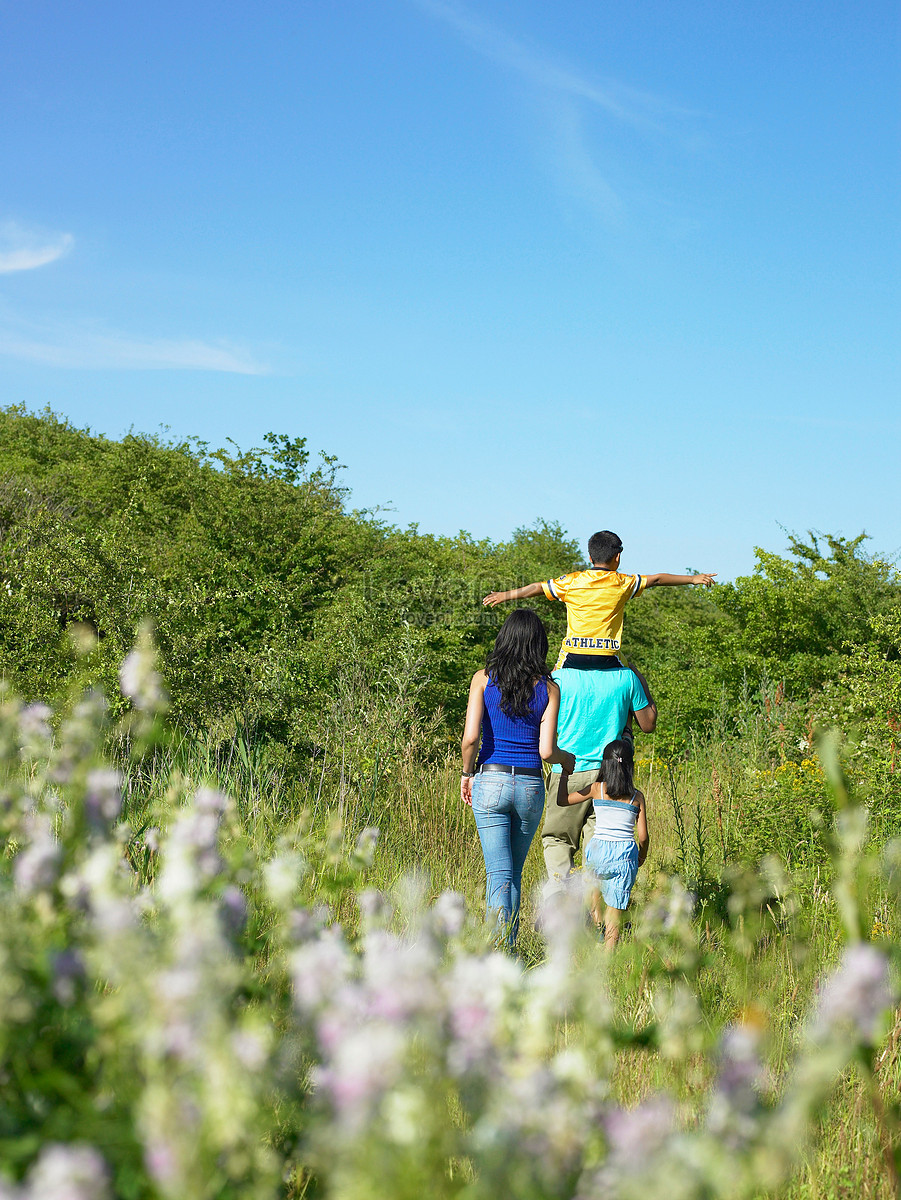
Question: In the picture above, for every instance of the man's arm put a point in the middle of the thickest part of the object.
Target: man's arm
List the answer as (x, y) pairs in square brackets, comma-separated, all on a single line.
[(647, 716), (520, 593), (664, 580), (547, 732)]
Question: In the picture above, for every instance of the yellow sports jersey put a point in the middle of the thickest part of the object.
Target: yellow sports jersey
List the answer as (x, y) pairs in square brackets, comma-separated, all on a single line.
[(594, 601)]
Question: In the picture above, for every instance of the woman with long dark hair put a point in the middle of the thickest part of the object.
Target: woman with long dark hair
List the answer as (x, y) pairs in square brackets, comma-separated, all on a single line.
[(513, 706)]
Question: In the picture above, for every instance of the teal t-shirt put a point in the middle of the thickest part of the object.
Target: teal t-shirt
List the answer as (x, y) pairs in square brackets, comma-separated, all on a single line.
[(594, 708)]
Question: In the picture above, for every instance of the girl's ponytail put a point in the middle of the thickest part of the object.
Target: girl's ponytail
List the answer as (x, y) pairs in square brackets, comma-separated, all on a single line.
[(616, 770)]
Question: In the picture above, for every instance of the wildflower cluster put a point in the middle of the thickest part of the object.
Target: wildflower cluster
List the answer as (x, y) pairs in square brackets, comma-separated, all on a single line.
[(182, 1013)]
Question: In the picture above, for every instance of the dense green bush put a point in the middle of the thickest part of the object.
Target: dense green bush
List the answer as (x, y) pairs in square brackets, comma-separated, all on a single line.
[(264, 589)]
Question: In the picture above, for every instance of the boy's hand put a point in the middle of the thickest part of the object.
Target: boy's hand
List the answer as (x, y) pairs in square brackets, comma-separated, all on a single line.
[(567, 763), (494, 598), (706, 580)]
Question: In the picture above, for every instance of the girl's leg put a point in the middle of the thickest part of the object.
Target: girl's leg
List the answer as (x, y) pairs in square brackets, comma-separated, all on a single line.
[(492, 796), (596, 908), (528, 805), (613, 919)]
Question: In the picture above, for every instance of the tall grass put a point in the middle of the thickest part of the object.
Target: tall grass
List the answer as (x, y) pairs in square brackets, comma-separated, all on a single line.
[(712, 814), (226, 984)]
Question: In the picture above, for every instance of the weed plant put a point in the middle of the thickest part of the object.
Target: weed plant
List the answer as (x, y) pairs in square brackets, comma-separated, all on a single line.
[(218, 981)]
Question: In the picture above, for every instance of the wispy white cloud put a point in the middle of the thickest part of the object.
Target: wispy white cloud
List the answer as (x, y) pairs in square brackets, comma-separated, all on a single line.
[(639, 108), (574, 159), (93, 347), (569, 96), (24, 249)]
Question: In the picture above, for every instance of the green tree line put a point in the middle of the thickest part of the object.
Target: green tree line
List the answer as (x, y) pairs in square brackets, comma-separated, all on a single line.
[(267, 593)]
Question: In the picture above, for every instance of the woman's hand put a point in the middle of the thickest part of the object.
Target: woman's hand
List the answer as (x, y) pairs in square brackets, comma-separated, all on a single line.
[(466, 790)]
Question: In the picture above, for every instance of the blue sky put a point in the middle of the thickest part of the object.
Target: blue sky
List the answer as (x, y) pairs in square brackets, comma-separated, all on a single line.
[(624, 265)]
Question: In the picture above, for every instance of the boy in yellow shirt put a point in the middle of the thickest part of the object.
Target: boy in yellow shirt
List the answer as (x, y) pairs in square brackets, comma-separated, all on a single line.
[(595, 601), (593, 709)]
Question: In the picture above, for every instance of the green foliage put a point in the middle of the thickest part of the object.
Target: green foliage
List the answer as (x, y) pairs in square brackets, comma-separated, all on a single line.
[(264, 590), (258, 582), (798, 620)]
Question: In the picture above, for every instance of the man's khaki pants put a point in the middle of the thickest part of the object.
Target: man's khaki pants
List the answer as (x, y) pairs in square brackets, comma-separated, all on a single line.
[(565, 828)]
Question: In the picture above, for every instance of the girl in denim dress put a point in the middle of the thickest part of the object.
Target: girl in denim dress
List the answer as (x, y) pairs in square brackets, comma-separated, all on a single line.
[(512, 710), (613, 855)]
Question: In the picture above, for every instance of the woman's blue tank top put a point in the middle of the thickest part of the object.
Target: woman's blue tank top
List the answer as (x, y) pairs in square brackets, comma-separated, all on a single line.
[(511, 740)]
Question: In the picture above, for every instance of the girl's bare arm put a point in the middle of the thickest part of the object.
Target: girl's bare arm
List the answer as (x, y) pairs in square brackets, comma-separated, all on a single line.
[(564, 798), (641, 829)]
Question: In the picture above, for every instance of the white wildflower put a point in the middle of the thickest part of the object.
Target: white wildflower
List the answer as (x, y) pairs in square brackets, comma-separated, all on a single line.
[(69, 1173), (138, 677)]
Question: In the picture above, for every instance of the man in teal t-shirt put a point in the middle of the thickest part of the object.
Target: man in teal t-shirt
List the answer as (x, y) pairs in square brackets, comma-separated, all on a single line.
[(595, 707)]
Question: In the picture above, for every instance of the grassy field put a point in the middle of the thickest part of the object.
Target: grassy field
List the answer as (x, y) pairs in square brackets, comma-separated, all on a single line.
[(700, 811), (218, 983)]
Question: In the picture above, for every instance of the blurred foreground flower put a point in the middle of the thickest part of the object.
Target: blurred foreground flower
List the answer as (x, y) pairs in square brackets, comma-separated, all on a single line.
[(856, 998), (138, 676)]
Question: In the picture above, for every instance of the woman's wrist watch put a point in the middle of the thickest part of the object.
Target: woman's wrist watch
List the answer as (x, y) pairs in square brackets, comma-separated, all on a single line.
[(468, 775)]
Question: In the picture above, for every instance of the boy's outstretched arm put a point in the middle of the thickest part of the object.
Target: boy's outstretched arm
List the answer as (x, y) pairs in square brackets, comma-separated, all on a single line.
[(520, 593), (664, 580)]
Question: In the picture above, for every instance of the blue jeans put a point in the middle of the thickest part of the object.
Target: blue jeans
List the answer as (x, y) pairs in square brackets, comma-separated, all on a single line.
[(507, 809)]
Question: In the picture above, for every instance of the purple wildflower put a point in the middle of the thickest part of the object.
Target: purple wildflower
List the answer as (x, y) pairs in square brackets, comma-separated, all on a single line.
[(398, 975), (103, 795), (161, 1160), (33, 723), (635, 1134), (36, 867), (478, 990), (250, 1049), (365, 1064), (374, 908), (209, 800), (319, 968), (68, 973), (233, 909), (856, 996), (740, 1079), (305, 924)]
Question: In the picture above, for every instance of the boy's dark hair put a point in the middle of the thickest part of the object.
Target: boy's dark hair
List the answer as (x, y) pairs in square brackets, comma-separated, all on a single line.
[(603, 546), (518, 656), (616, 770)]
